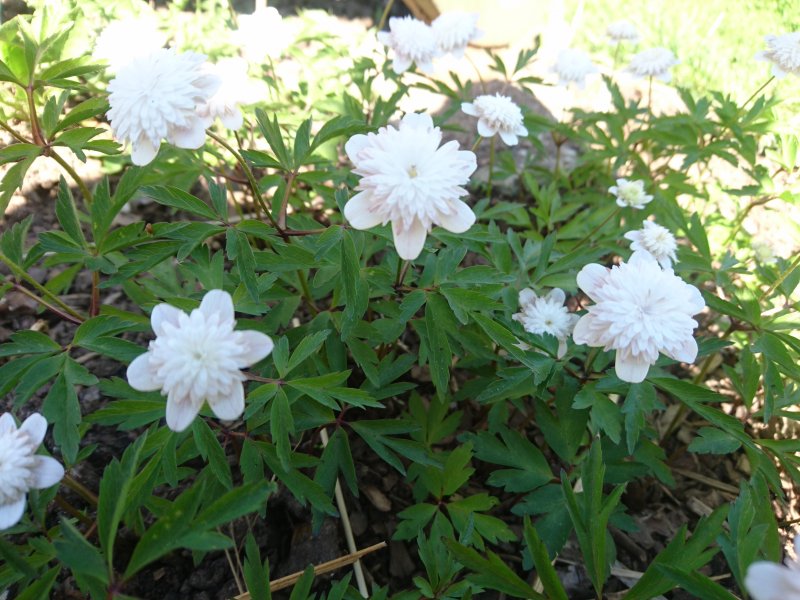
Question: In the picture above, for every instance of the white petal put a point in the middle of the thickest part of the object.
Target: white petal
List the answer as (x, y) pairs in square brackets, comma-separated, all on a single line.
[(527, 296), (143, 151), (417, 121), (230, 407), (583, 334), (469, 109), (400, 64), (460, 220), (35, 426), (47, 471), (630, 368), (234, 120), (141, 376), (409, 242), (220, 303), (556, 296), (191, 137), (257, 345), (360, 211), (509, 138), (180, 413), (162, 314), (7, 423), (771, 581), (11, 513), (591, 278), (484, 130), (687, 352), (354, 145), (521, 130), (562, 348)]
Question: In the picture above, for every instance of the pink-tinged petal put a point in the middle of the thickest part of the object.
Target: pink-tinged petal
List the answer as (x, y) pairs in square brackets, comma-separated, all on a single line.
[(191, 137), (256, 346), (484, 130), (11, 513), (180, 413), (556, 296), (36, 427), (686, 352), (209, 83), (360, 211), (591, 278), (562, 348), (143, 151), (141, 375), (229, 407), (47, 471), (509, 138), (771, 581), (469, 108), (163, 314), (631, 368), (355, 145), (409, 242), (233, 120), (417, 121), (220, 303), (527, 296), (460, 220), (583, 333), (7, 423)]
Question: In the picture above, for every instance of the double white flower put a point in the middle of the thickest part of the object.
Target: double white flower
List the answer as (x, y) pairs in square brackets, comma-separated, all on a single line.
[(546, 314), (573, 67), (640, 310), (406, 178), (412, 41), (454, 30), (21, 469), (197, 358), (658, 241), (630, 194), (497, 115), (783, 51), (655, 62)]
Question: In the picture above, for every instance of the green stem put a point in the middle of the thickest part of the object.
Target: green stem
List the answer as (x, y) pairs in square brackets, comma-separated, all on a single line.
[(649, 94), (385, 15), (80, 489), (87, 195), (781, 279), (36, 131), (402, 269), (477, 143), (616, 54), (756, 93), (23, 290), (491, 168), (13, 133), (301, 275), (21, 274), (596, 229), (284, 205)]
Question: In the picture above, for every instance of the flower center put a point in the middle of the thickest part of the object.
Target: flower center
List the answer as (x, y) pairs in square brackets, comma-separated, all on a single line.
[(412, 171)]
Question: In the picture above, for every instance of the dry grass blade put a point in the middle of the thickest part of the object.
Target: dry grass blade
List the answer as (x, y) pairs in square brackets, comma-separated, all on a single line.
[(326, 567)]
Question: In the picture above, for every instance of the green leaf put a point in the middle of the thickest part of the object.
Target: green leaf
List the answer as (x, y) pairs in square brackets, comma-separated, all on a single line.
[(41, 587), (541, 560), (79, 555), (272, 133), (13, 181), (15, 152), (529, 468), (439, 353), (640, 401), (177, 198), (714, 441), (210, 449), (256, 574), (339, 126), (29, 342), (307, 346), (696, 584), (68, 215), (355, 294), (235, 504), (540, 365), (301, 589), (239, 250), (62, 407), (281, 426)]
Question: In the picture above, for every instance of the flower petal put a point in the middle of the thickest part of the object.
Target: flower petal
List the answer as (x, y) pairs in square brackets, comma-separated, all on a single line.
[(141, 376), (7, 423), (232, 120), (11, 513), (556, 296), (256, 346), (591, 278), (229, 407), (143, 151), (527, 296), (686, 352), (771, 581), (509, 138), (460, 220), (47, 471), (180, 413), (630, 368), (191, 137), (484, 130), (469, 108), (562, 348), (355, 145), (220, 303), (409, 241), (35, 426), (162, 314), (400, 64), (583, 333), (417, 121), (360, 211)]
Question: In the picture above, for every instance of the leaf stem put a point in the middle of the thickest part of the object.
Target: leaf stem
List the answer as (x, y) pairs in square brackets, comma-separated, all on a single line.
[(301, 275), (781, 279), (87, 195), (21, 274), (491, 168), (35, 129), (80, 489), (385, 15), (756, 93), (16, 136), (596, 229), (44, 303)]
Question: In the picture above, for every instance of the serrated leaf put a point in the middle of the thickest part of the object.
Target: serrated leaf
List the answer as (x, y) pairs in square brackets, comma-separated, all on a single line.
[(211, 450), (439, 353), (281, 427), (307, 346), (177, 198), (713, 441)]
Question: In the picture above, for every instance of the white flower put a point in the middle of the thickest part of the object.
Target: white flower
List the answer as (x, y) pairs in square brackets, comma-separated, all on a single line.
[(639, 311), (454, 30), (497, 114), (123, 41), (763, 252), (197, 358), (21, 469), (622, 30), (655, 62), (412, 41), (573, 66), (771, 581), (657, 241), (783, 51), (262, 34), (406, 178), (157, 97), (237, 88), (546, 315), (630, 193)]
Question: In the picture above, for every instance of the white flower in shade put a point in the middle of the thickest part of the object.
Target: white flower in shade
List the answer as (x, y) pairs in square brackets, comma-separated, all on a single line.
[(640, 310), (454, 31), (573, 66), (630, 193), (763, 252), (262, 34), (21, 469), (123, 41), (412, 41), (406, 178), (657, 241), (157, 97), (546, 315), (772, 581), (622, 31), (197, 358), (783, 51), (497, 114), (237, 88), (655, 62)]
